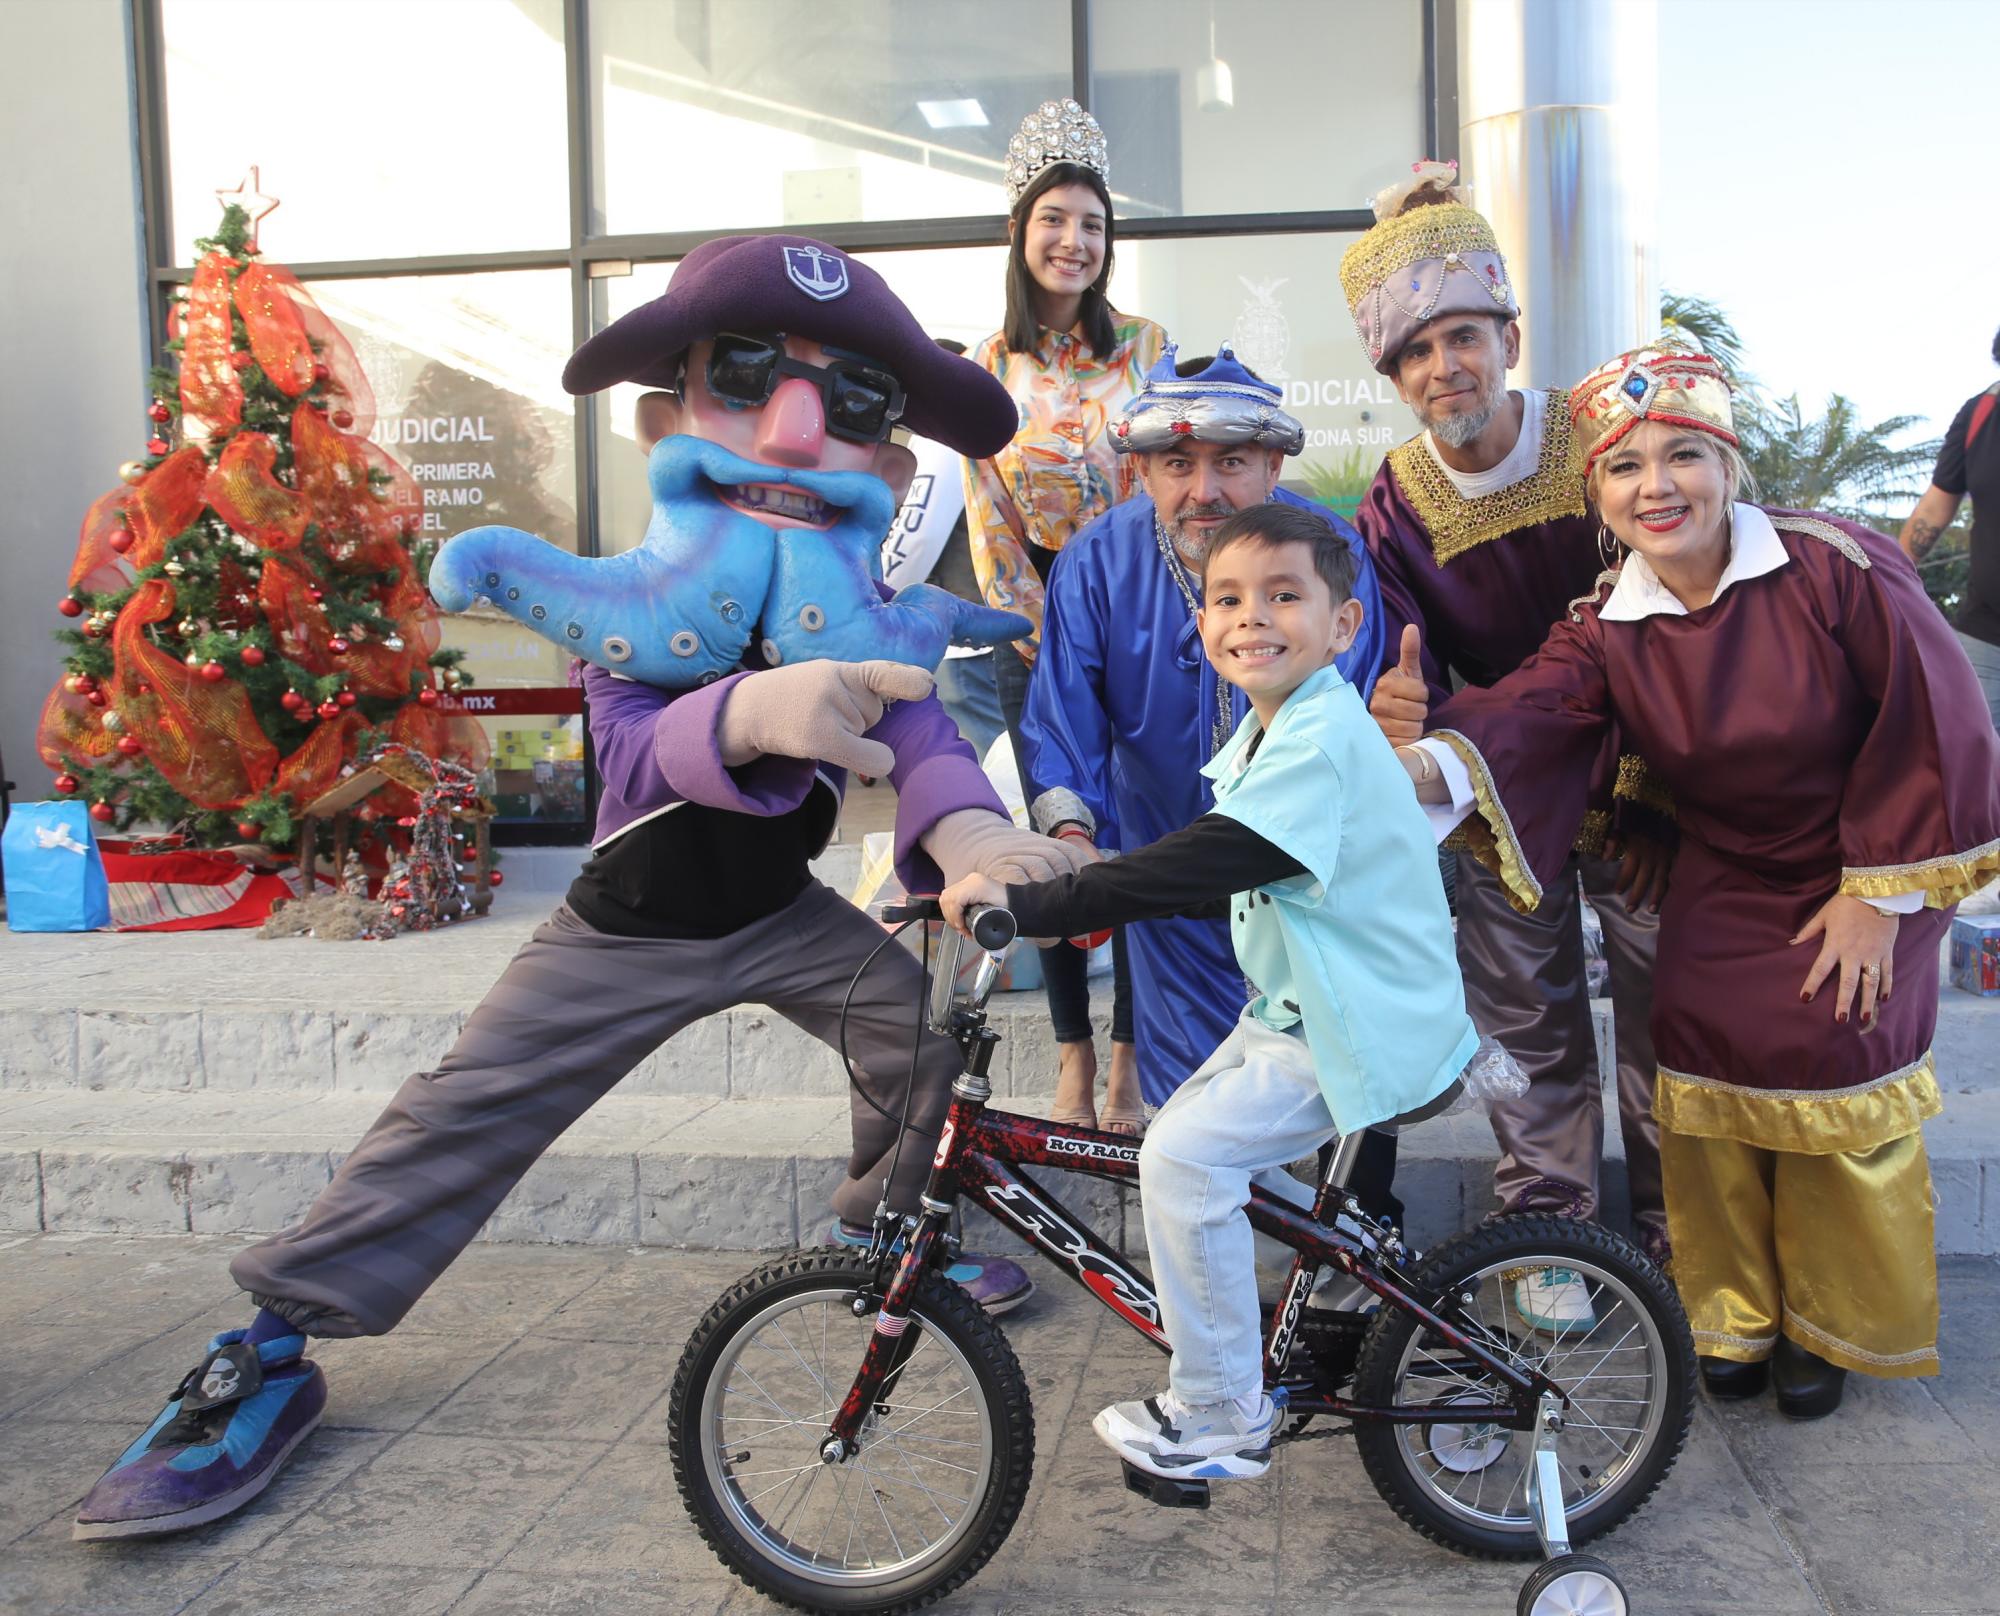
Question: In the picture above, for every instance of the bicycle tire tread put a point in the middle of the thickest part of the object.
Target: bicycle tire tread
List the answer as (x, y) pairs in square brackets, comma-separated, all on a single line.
[(942, 1299), (1476, 1248)]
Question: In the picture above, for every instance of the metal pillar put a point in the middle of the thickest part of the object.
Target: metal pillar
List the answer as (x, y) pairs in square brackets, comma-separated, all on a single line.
[(1559, 142)]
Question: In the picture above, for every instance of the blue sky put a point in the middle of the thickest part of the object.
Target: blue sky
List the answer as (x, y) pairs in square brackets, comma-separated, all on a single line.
[(1830, 174)]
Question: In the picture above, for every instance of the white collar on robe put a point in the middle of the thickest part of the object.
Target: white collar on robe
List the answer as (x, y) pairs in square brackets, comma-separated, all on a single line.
[(1754, 550)]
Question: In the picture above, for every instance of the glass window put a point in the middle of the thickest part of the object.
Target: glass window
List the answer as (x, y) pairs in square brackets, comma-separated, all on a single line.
[(796, 112), (1277, 301), (388, 130), (466, 371), (1261, 106)]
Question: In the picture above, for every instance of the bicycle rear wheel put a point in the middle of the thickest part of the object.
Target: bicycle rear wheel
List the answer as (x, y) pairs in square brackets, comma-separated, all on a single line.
[(1626, 1365), (945, 1455)]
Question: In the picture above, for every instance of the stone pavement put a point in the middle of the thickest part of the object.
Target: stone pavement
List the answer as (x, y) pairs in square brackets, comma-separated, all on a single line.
[(504, 1452)]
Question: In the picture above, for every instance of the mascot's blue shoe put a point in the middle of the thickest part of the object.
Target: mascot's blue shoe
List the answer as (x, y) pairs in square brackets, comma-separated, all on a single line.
[(995, 1283), (219, 1442)]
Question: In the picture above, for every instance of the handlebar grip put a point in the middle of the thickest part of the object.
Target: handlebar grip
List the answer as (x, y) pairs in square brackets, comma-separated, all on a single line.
[(992, 926)]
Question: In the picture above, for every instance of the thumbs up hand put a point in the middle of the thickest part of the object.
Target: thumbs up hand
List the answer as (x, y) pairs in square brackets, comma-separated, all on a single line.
[(1402, 701)]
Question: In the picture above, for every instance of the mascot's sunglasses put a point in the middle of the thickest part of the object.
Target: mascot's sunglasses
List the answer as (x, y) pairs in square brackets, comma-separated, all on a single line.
[(861, 401)]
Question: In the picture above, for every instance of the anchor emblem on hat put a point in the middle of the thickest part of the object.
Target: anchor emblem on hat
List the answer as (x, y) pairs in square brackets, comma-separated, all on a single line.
[(820, 275)]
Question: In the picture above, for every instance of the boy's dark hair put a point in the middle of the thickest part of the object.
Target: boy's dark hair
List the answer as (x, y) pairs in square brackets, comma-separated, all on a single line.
[(1996, 347), (1275, 524)]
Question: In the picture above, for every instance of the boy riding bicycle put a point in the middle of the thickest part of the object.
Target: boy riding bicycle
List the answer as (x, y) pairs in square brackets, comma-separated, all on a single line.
[(1327, 872)]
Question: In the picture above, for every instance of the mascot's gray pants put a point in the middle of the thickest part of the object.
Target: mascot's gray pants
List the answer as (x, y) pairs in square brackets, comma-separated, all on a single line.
[(573, 1013)]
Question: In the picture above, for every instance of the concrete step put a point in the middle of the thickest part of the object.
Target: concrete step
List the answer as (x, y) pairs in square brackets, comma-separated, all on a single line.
[(681, 1170)]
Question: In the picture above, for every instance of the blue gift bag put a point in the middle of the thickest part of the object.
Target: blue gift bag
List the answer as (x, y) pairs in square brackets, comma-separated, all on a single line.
[(55, 878)]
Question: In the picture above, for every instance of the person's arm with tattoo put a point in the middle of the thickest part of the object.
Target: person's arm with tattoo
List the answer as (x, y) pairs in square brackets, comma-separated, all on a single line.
[(1934, 513)]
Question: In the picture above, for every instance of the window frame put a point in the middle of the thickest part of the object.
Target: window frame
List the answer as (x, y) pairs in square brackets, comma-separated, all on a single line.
[(590, 258)]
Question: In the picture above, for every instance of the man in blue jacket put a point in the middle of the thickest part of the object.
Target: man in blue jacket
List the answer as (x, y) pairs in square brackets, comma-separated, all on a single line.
[(1124, 709)]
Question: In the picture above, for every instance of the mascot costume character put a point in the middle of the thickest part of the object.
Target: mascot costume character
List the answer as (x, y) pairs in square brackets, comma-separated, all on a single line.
[(741, 661)]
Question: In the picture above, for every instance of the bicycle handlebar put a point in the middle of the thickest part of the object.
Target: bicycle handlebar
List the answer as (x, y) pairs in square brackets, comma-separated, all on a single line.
[(992, 926)]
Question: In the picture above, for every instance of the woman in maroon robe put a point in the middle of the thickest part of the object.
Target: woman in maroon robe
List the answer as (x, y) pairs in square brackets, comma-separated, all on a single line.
[(1837, 790)]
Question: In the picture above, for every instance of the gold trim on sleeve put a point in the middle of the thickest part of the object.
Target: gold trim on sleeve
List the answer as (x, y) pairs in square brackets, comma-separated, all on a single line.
[(1813, 528), (1456, 524), (1812, 1122), (1590, 840), (1943, 881), (1490, 838), (1635, 783)]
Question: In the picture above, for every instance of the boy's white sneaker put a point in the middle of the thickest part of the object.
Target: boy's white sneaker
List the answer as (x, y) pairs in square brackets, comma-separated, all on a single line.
[(1554, 1301), (1191, 1442)]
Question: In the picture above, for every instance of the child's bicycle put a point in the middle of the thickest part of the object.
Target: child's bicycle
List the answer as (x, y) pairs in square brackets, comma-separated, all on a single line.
[(881, 1488)]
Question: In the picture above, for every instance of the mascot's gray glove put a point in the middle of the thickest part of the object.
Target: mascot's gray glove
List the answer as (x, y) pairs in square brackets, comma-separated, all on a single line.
[(972, 841), (820, 711)]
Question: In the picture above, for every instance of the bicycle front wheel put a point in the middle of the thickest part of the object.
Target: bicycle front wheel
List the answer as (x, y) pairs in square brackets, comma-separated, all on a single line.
[(1619, 1349), (945, 1457)]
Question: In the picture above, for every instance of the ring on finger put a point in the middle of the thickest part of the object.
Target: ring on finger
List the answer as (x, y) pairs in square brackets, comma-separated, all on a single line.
[(1871, 971)]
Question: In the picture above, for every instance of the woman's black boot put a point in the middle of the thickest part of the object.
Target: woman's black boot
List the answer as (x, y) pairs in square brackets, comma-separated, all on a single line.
[(1809, 1388), (1729, 1380)]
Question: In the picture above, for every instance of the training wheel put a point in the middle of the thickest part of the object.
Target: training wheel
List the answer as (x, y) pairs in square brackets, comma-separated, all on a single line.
[(1573, 1585)]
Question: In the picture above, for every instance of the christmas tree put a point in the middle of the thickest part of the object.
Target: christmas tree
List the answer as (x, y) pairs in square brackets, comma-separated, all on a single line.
[(250, 608)]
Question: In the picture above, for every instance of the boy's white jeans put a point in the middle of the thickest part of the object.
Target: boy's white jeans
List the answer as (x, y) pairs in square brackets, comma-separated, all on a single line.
[(1254, 1107)]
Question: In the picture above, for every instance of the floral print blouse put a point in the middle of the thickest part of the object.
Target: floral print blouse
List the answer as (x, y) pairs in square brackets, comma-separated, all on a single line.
[(1061, 472)]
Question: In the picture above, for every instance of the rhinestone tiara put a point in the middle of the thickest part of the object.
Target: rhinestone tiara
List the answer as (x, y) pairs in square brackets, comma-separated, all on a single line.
[(1055, 132)]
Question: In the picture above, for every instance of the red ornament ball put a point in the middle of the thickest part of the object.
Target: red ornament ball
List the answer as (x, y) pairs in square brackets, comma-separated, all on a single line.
[(345, 698), (131, 745), (214, 672), (315, 594), (338, 645), (291, 701), (495, 877), (253, 656), (66, 783), (408, 822), (427, 697), (329, 709), (320, 372), (96, 698), (159, 411), (103, 812), (240, 361), (343, 419), (249, 830), (121, 541), (156, 446), (92, 629), (70, 606)]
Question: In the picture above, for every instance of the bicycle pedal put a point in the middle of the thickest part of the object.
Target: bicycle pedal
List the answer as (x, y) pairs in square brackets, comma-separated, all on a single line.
[(1166, 1491)]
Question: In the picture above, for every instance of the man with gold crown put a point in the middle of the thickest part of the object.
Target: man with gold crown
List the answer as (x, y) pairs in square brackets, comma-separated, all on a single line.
[(1837, 787), (1481, 541)]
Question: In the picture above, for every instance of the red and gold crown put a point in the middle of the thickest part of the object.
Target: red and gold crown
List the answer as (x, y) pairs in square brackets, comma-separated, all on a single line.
[(1670, 381)]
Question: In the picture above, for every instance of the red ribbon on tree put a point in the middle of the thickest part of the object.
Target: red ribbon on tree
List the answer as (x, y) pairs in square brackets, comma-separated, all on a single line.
[(165, 503), (272, 315), (250, 499), (203, 738), (210, 390), (96, 569)]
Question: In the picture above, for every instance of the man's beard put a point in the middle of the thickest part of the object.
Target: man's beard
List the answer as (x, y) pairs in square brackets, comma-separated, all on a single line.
[(1193, 547), (1458, 428)]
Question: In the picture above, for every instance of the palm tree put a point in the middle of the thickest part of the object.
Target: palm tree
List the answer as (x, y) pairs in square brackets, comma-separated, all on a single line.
[(1706, 322), (1834, 463)]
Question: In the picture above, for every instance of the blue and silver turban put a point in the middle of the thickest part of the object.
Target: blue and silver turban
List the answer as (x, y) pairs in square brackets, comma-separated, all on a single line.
[(1226, 403)]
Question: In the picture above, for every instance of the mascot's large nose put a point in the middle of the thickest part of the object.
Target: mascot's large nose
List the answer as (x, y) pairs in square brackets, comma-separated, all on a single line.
[(792, 429)]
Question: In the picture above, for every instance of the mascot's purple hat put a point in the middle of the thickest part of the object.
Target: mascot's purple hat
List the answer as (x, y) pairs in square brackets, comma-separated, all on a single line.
[(807, 289)]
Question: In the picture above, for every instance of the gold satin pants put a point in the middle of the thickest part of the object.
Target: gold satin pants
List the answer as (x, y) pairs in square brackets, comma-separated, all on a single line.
[(1836, 1250)]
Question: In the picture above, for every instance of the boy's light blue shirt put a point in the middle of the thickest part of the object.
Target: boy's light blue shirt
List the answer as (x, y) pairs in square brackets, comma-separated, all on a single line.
[(1359, 949)]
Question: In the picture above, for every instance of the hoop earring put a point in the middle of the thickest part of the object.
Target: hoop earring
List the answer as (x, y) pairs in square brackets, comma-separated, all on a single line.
[(1609, 550)]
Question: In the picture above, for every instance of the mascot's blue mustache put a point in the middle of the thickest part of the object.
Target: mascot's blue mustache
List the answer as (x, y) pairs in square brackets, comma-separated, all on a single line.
[(686, 606)]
